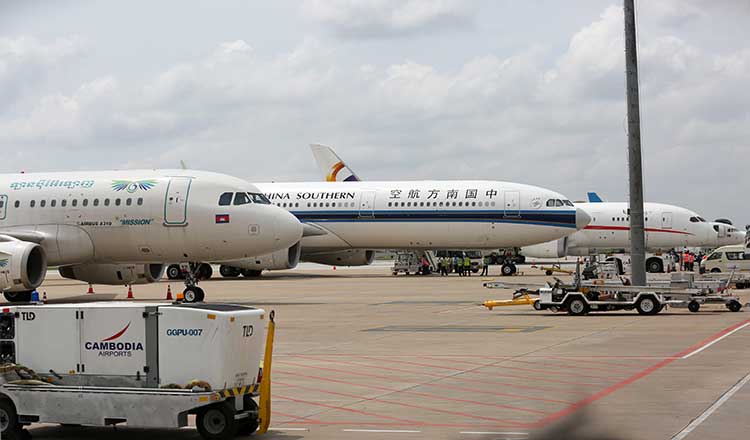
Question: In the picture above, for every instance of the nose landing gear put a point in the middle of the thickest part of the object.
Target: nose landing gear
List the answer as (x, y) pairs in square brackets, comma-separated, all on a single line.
[(191, 273)]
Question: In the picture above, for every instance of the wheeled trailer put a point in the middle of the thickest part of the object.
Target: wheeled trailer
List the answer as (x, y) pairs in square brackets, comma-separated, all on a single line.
[(220, 414)]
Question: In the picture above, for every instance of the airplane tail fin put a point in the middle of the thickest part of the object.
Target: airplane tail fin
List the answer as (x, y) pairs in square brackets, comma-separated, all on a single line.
[(334, 169), (594, 197)]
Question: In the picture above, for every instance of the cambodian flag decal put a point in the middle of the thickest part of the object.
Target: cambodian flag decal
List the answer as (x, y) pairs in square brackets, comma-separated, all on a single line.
[(222, 218)]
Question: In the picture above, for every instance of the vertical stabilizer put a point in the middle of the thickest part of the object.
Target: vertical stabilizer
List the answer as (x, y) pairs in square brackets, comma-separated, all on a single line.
[(594, 197), (334, 169)]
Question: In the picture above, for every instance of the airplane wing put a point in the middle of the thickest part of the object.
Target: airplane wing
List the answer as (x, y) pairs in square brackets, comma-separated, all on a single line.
[(594, 197), (334, 169)]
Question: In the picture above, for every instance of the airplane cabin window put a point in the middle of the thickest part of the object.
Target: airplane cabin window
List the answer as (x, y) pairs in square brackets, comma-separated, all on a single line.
[(421, 204), (42, 203), (140, 201), (52, 203), (389, 204), (106, 202), (241, 199), (17, 204), (492, 203), (96, 202), (85, 202), (63, 203), (460, 203), (117, 202), (259, 198), (33, 203), (129, 201), (296, 204), (74, 203), (225, 199), (2, 203)]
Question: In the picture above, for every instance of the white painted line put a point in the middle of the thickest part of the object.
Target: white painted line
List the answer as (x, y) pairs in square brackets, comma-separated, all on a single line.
[(493, 433), (711, 409), (386, 431), (698, 350), (288, 429)]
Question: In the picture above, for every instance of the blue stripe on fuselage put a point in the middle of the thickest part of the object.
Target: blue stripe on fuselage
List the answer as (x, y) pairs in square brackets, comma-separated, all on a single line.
[(566, 219)]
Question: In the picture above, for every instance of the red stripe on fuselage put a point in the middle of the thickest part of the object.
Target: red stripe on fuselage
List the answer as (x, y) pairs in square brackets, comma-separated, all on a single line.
[(627, 228)]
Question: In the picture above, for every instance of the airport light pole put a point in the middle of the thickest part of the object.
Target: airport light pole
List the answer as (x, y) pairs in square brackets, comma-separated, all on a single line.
[(635, 166)]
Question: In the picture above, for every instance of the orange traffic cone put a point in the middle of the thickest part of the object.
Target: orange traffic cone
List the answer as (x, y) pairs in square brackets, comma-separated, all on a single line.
[(130, 292), (169, 292), (44, 298), (91, 289)]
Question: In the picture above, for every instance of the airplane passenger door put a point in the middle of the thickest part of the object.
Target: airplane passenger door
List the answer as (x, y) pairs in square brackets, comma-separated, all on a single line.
[(175, 201), (666, 220), (3, 207), (511, 204), (367, 204)]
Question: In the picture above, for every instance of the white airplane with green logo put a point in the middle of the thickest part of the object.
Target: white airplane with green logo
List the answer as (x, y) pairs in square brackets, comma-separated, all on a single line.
[(119, 227)]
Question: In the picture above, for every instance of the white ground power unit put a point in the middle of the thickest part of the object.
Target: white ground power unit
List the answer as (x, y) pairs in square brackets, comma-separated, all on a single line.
[(146, 345)]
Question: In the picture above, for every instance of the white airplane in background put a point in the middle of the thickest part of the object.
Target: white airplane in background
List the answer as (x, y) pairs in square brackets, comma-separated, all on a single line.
[(667, 227), (118, 227), (346, 221)]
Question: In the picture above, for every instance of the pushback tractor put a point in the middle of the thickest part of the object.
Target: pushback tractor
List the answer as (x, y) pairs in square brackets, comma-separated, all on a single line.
[(141, 364)]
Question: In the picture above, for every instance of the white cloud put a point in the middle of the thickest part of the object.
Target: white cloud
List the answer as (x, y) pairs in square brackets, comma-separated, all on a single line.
[(388, 18)]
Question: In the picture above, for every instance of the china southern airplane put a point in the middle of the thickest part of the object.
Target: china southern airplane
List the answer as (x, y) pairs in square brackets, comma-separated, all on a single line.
[(667, 227), (118, 227), (345, 221)]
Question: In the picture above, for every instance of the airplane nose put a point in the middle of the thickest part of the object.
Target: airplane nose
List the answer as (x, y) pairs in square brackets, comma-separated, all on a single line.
[(287, 229), (582, 218)]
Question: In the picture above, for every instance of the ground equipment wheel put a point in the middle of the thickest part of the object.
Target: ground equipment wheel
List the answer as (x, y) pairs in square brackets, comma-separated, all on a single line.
[(548, 273), (537, 305), (249, 424), (193, 294), (507, 270), (17, 297), (8, 418), (694, 306), (577, 307), (217, 422), (174, 272), (654, 265), (205, 271), (715, 270), (734, 306), (648, 305)]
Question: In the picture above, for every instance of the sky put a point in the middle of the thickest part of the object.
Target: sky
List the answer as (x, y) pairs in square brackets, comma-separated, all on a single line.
[(529, 91)]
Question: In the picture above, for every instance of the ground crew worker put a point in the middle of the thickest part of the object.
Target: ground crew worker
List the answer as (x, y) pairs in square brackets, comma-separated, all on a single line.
[(443, 267), (485, 265), (467, 265), (455, 265), (684, 260)]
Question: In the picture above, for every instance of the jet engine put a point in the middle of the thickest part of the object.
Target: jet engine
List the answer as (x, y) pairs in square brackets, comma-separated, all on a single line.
[(23, 265), (349, 257), (279, 260), (550, 249), (113, 274)]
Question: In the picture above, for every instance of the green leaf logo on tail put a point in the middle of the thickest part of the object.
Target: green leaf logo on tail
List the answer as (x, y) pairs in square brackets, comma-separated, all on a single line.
[(132, 186)]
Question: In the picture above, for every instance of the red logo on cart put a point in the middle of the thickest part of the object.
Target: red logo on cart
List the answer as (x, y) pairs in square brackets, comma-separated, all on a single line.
[(118, 334)]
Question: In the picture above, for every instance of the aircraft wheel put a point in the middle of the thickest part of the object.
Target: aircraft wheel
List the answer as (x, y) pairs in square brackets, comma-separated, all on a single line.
[(734, 306), (249, 273), (193, 294), (17, 297), (694, 306), (577, 307), (174, 272), (205, 271), (229, 271)]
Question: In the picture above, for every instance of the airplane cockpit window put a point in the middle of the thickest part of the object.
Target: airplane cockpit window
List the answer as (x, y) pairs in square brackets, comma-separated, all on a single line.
[(259, 198), (694, 220), (241, 199), (225, 199), (558, 202), (551, 202), (568, 203), (701, 219), (716, 228)]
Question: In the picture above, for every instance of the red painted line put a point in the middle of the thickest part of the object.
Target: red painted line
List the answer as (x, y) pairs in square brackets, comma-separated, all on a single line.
[(615, 371), (588, 361), (641, 374), (407, 405), (419, 424), (461, 371), (537, 363), (627, 228), (292, 416), (461, 379), (414, 393), (341, 408)]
